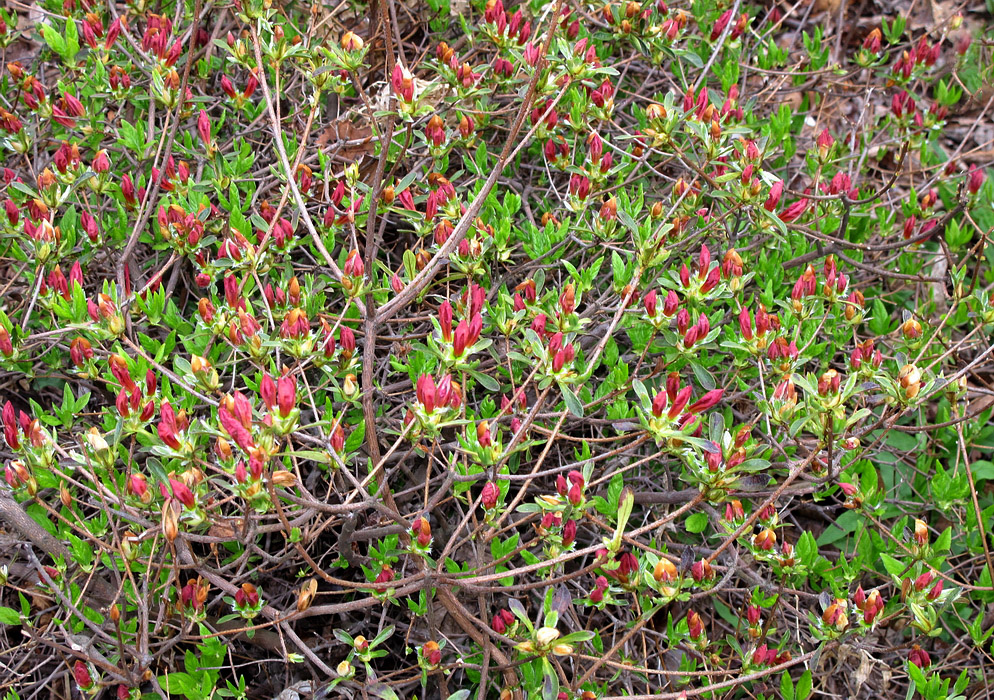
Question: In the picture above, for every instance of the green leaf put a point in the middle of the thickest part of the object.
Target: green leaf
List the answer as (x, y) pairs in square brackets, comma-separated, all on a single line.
[(53, 38), (697, 523), (786, 687), (356, 437), (486, 381), (804, 685), (573, 404), (9, 616), (892, 565)]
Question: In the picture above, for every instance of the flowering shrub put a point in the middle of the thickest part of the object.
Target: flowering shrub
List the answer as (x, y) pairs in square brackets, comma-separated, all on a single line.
[(576, 351)]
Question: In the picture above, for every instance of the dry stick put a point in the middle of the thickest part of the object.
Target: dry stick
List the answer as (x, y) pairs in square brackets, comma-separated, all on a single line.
[(285, 163), (146, 210)]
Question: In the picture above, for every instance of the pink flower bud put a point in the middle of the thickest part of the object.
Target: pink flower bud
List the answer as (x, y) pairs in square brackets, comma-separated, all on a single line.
[(490, 495), (204, 129), (776, 192)]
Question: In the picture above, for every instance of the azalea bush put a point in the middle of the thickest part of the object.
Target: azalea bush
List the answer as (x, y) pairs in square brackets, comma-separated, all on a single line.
[(459, 350)]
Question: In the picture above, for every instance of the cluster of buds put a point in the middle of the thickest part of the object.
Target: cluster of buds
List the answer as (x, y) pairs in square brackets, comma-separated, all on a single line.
[(734, 514), (341, 352), (854, 497), (601, 587), (671, 304), (870, 604), (624, 567), (919, 657), (240, 98), (353, 50), (559, 357), (431, 655), (544, 641), (741, 24), (600, 162), (841, 183), (502, 28), (545, 118), (579, 191), (920, 55), (690, 335), (911, 329), (490, 496), (671, 413), (37, 444), (384, 578), (247, 602), (805, 286), (922, 234), (119, 81), (763, 656), (136, 486), (465, 335), (155, 40), (57, 283), (695, 630), (171, 429), (571, 488), (235, 417), (18, 477), (905, 109), (104, 311), (296, 328), (834, 620), (755, 335), (402, 83), (174, 178), (909, 382), (836, 283), (869, 52), (180, 491), (352, 274), (487, 446), (503, 621), (829, 384), (784, 399), (927, 583), (703, 573), (665, 578), (204, 373), (280, 398), (192, 598), (435, 404), (421, 535), (185, 229), (782, 353), (699, 285), (764, 540)]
